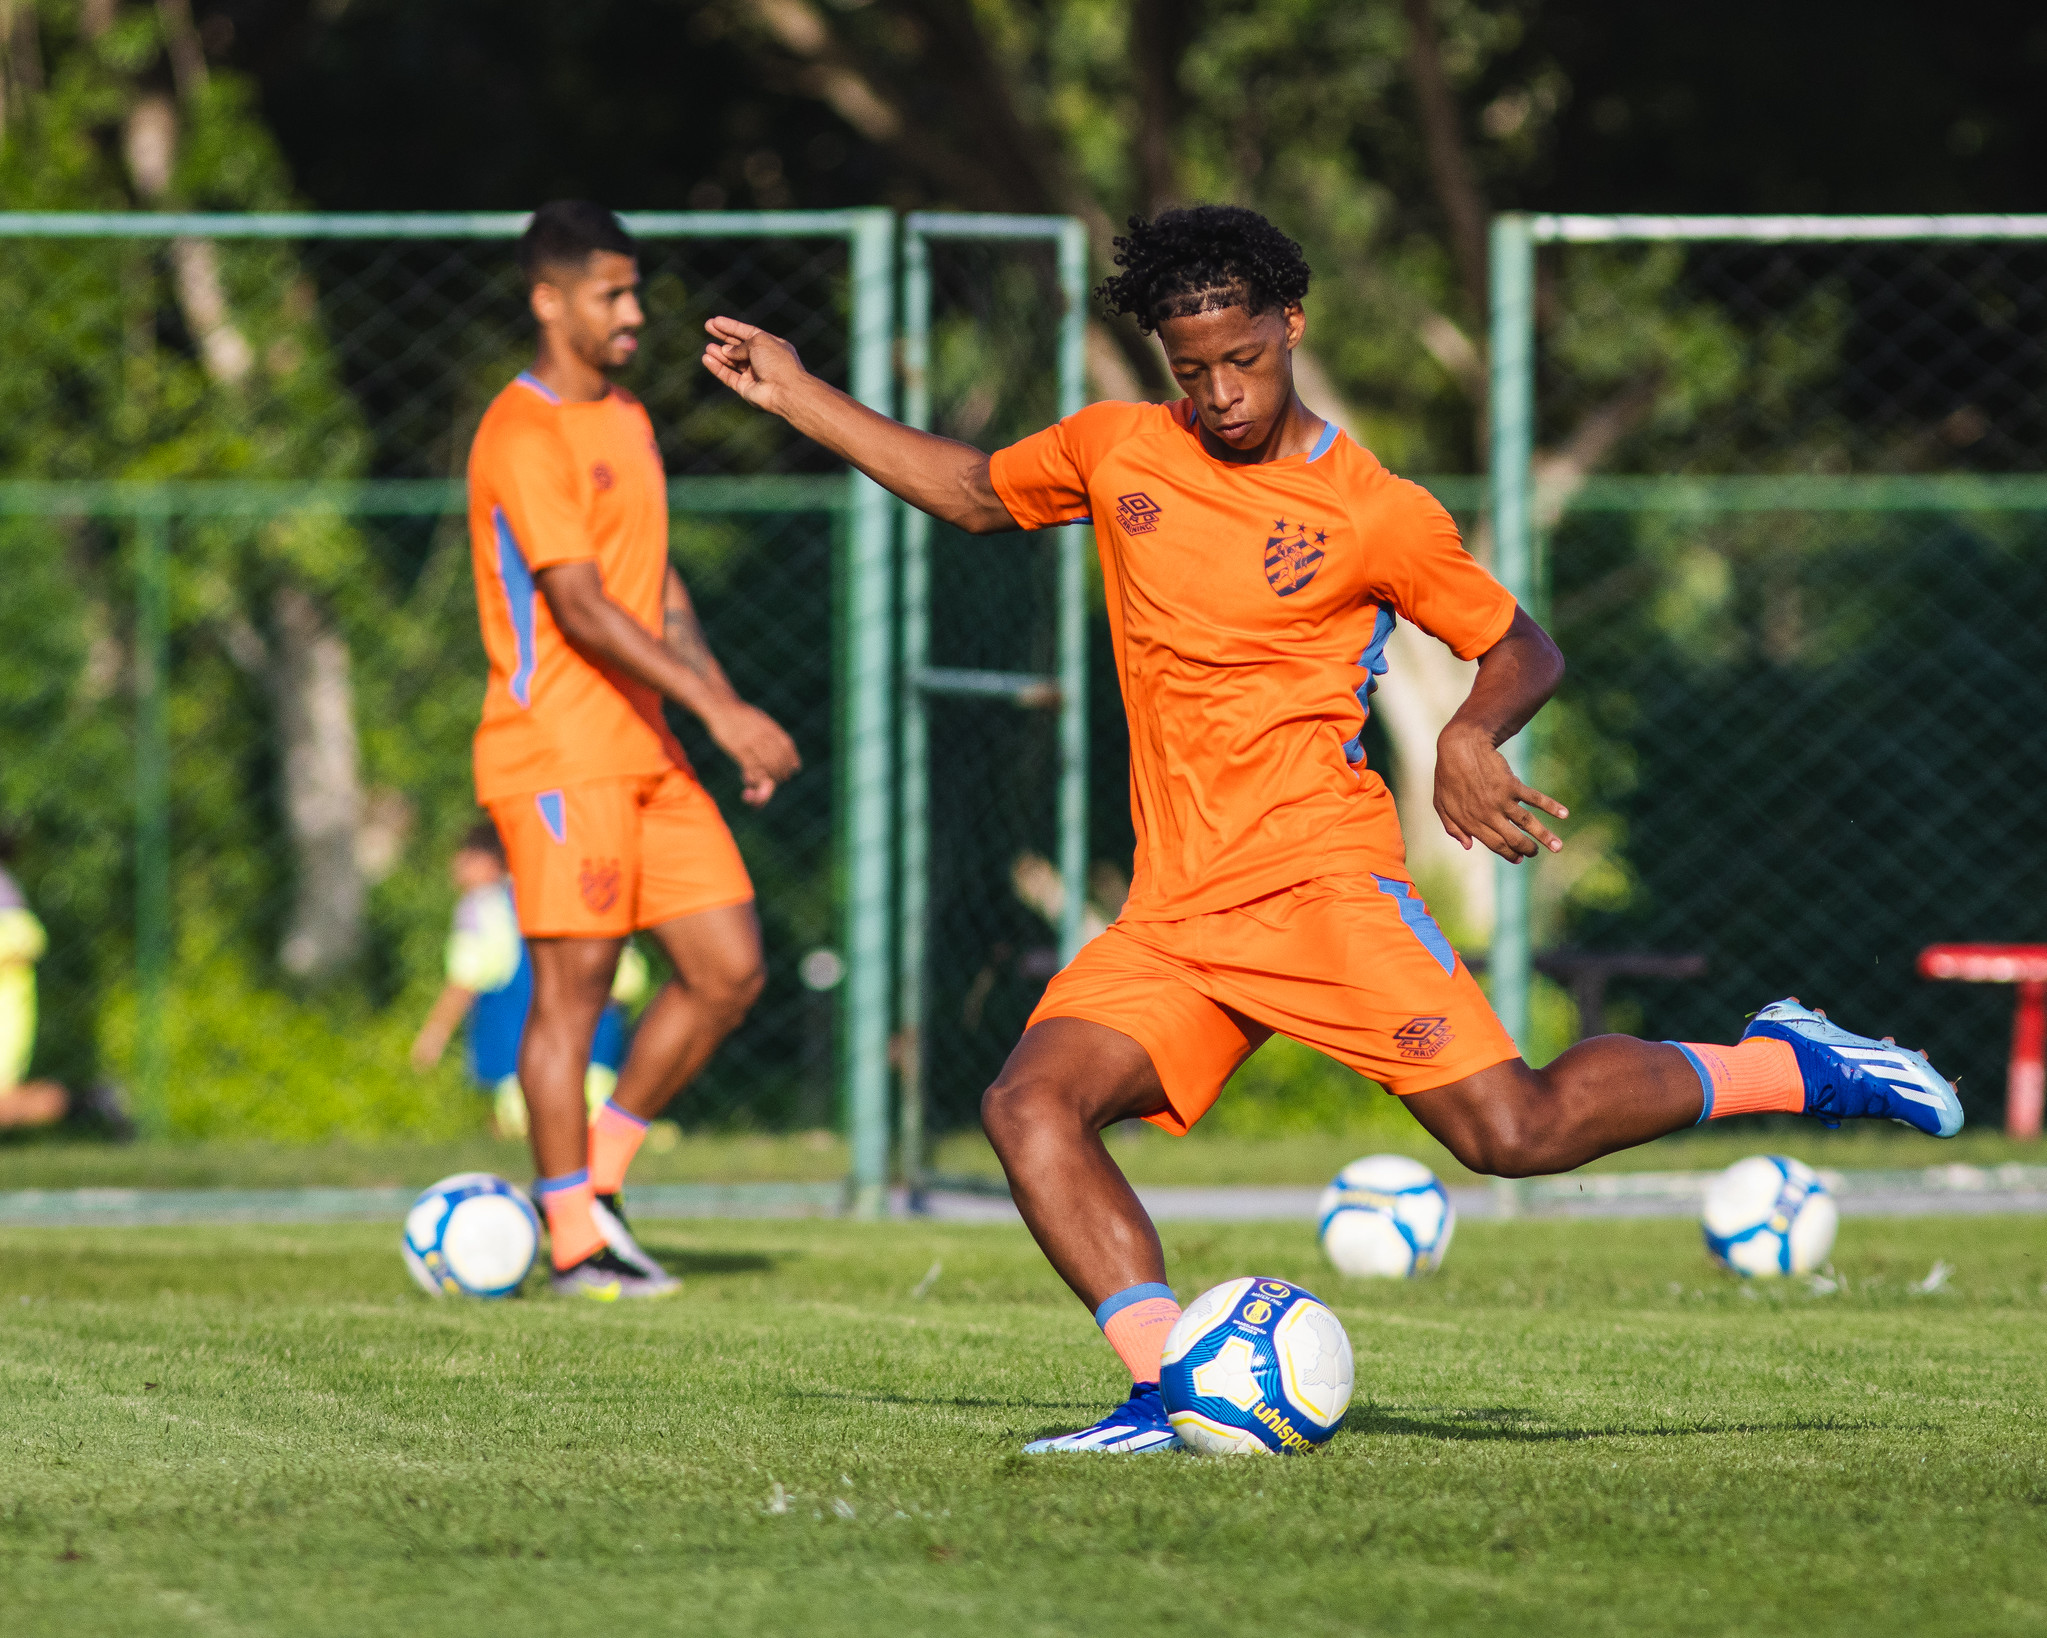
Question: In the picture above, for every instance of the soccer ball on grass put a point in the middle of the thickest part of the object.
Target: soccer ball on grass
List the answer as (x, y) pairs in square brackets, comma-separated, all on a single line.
[(1256, 1366), (1769, 1215), (1385, 1215), (471, 1235)]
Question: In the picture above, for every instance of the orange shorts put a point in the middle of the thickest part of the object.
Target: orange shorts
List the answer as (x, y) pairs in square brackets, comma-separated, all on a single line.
[(606, 858), (1353, 966)]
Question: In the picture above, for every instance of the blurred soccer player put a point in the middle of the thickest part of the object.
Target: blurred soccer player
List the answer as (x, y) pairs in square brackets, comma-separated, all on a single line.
[(588, 628), (1255, 561), (490, 987), (26, 1103)]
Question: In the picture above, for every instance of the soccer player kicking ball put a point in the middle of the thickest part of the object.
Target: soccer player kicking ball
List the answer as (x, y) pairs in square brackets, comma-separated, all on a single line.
[(605, 826), (1255, 560)]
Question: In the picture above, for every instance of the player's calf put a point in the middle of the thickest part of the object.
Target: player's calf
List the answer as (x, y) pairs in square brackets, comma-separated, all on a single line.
[(1613, 1092), (1610, 1092)]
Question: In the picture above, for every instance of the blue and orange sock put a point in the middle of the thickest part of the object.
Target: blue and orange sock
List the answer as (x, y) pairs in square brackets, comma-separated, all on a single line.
[(1136, 1320), (572, 1231), (615, 1137), (1760, 1076)]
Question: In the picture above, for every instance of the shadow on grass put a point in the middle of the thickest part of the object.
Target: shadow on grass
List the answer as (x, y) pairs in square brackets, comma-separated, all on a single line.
[(1516, 1424), (681, 1260), (958, 1401)]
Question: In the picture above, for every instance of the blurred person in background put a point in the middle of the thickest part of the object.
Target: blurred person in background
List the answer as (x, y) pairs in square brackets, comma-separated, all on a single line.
[(590, 633), (490, 984), (26, 1103)]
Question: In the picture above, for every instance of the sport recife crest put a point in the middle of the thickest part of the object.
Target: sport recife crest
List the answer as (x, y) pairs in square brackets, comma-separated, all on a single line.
[(1293, 552)]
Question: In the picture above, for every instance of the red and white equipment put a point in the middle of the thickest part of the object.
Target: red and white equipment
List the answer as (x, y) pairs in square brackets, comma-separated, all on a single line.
[(2026, 966)]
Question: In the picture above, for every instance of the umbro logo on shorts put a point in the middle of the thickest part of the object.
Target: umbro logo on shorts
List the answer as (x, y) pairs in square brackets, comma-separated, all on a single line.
[(1137, 512), (1422, 1038), (599, 880), (600, 475)]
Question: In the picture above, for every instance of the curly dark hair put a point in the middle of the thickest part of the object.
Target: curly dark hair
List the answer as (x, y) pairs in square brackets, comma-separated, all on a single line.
[(1201, 258)]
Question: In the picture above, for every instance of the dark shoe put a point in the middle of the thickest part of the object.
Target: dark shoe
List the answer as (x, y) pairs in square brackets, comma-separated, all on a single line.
[(97, 1111), (610, 1215), (604, 1276)]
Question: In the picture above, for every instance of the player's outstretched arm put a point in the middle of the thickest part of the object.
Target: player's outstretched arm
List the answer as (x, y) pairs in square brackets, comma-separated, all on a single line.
[(601, 630), (936, 475), (450, 1007), (1477, 796)]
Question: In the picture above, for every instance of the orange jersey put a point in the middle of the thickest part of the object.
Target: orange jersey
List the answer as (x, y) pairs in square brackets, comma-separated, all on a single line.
[(1249, 607), (549, 483)]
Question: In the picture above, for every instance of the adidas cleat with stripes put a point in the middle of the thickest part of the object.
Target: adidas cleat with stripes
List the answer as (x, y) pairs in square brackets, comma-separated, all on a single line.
[(1850, 1077), (1136, 1427)]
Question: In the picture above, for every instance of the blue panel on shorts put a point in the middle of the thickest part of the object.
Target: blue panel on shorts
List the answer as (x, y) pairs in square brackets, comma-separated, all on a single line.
[(1419, 921), (553, 814)]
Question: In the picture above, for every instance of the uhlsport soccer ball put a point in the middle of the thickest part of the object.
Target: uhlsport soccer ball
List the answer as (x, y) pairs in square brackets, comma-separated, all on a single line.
[(1385, 1215), (1769, 1215), (1256, 1365), (471, 1235)]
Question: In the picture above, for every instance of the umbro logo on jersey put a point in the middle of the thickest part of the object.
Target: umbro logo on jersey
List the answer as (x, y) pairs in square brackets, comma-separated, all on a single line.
[(1137, 512), (600, 475), (1293, 552)]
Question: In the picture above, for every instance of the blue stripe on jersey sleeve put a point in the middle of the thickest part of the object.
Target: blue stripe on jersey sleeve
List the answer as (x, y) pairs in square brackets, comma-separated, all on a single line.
[(517, 580), (1375, 662)]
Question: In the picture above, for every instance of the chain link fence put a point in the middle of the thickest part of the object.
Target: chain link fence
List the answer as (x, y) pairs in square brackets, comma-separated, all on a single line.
[(993, 813), (1790, 512), (241, 662)]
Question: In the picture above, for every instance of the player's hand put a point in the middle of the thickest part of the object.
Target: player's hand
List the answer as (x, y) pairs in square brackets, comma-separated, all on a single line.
[(757, 742), (427, 1050), (1479, 799), (761, 368)]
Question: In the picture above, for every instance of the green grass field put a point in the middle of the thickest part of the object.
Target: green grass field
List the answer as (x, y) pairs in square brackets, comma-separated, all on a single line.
[(1577, 1427), (1149, 1156)]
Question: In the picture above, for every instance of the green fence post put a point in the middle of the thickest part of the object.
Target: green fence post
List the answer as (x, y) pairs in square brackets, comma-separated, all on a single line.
[(1513, 446), (913, 772), (865, 688), (152, 811), (1073, 549)]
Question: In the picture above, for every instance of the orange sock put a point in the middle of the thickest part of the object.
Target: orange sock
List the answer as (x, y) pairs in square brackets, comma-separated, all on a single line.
[(572, 1230), (1759, 1076), (1136, 1321), (615, 1137)]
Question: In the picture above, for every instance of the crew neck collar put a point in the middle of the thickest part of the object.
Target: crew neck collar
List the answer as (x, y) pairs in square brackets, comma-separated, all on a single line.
[(526, 378), (1183, 412)]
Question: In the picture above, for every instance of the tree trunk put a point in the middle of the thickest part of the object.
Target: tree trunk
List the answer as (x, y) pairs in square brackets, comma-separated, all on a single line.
[(309, 666), (323, 799)]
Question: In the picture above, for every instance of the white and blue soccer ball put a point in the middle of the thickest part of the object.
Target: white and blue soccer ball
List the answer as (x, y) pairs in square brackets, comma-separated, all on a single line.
[(1385, 1215), (471, 1235), (1256, 1366), (1767, 1215)]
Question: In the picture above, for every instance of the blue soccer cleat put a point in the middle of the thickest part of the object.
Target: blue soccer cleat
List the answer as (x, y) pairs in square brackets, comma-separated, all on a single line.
[(1136, 1427), (1849, 1076)]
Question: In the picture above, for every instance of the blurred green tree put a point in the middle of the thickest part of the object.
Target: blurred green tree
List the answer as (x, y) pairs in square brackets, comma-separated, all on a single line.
[(182, 359)]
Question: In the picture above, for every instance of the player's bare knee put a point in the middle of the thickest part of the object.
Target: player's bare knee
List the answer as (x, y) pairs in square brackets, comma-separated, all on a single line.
[(1501, 1142), (1014, 1106), (746, 989), (732, 994)]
